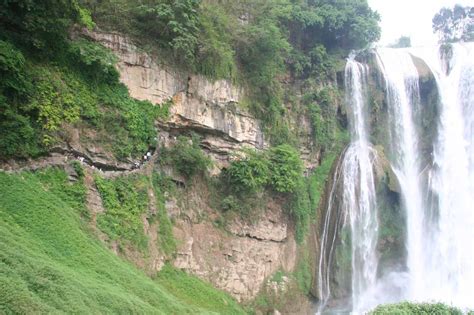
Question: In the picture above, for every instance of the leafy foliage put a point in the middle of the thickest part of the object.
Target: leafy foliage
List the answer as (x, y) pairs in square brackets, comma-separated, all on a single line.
[(257, 43), (303, 273), (79, 87), (94, 61), (301, 210), (249, 174), (416, 309), (174, 23), (125, 201), (186, 156), (402, 42), (166, 240), (286, 167), (454, 24), (306, 199), (50, 263), (45, 23)]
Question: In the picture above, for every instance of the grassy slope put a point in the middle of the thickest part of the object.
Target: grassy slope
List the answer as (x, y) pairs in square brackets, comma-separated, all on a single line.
[(50, 263)]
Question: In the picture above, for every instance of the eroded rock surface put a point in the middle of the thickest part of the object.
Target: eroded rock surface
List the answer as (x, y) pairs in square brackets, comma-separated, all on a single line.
[(208, 108), (236, 264)]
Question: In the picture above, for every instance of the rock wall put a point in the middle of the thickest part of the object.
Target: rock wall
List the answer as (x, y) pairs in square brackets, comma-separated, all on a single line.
[(208, 108), (240, 256)]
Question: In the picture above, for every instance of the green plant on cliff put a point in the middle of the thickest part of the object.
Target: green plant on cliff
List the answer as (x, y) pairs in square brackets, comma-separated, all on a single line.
[(194, 291), (257, 43), (78, 87), (50, 262), (416, 309), (248, 174), (125, 201), (318, 180), (186, 156), (286, 168), (166, 240), (301, 210)]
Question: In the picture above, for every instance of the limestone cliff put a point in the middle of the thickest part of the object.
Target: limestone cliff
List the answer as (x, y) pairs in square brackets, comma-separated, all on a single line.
[(240, 257)]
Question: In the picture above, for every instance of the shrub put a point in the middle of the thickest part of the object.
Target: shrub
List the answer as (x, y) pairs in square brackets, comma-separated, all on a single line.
[(302, 273), (286, 168), (230, 203), (187, 157), (166, 240), (301, 210), (249, 174), (94, 61), (13, 71), (125, 200), (416, 309)]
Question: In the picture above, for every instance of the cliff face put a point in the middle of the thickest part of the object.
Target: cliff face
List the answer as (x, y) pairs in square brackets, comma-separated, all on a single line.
[(208, 108), (240, 256)]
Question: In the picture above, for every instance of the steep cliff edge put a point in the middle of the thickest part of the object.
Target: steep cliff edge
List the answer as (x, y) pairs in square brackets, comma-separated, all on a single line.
[(240, 257)]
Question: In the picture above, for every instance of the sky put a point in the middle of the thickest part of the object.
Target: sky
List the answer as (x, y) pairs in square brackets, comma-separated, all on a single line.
[(410, 18)]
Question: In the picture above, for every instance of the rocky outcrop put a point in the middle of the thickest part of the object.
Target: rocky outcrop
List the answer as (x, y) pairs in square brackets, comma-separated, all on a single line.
[(237, 263), (235, 255), (238, 256), (199, 105)]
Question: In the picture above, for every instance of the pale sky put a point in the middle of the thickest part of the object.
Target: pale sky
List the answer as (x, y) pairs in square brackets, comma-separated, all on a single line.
[(410, 18)]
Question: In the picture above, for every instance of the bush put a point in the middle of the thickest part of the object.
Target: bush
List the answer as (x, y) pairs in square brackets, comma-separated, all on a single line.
[(95, 61), (249, 174), (230, 203), (301, 210), (166, 240), (195, 292), (416, 309), (186, 157), (306, 198), (286, 168), (125, 200), (13, 71)]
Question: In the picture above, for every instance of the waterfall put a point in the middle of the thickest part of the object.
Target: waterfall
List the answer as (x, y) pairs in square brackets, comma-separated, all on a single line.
[(332, 221), (359, 189), (449, 254), (403, 98), (437, 199)]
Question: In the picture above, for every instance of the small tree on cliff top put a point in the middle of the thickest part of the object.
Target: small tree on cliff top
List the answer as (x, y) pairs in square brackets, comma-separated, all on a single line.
[(456, 24)]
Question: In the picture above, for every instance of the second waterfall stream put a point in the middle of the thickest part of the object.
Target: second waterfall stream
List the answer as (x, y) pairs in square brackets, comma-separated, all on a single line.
[(411, 117)]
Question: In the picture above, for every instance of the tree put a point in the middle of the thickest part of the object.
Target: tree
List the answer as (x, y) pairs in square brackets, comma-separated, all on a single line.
[(40, 24), (402, 42), (456, 24)]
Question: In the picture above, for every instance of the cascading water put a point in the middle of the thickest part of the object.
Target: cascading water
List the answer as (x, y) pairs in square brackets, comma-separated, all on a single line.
[(448, 271), (437, 199), (359, 189), (403, 98), (332, 222)]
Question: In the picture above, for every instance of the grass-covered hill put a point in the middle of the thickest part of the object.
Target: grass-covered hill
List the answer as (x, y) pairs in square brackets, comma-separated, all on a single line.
[(51, 263)]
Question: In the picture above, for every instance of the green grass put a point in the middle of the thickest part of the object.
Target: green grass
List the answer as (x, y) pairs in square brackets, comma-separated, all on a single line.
[(125, 200), (50, 263), (193, 291)]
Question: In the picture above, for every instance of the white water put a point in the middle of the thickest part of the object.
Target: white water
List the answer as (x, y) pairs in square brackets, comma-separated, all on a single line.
[(328, 243), (403, 98), (448, 270), (439, 204), (359, 189)]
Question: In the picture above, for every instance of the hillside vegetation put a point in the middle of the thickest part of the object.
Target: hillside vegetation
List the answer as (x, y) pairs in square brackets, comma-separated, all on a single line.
[(50, 262), (54, 79)]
